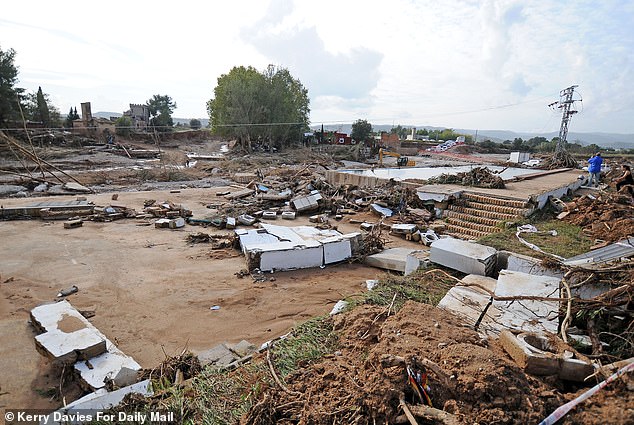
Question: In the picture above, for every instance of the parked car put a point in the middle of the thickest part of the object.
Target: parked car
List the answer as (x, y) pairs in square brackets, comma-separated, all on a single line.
[(532, 162)]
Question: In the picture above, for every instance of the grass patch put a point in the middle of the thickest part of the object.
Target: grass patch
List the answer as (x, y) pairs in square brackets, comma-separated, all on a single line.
[(570, 241), (308, 342), (223, 397), (419, 286)]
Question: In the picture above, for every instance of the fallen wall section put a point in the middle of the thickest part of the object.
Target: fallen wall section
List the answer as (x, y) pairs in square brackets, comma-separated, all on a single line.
[(281, 248)]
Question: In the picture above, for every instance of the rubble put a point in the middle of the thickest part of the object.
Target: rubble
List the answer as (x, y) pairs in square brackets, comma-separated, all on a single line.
[(66, 336), (478, 177), (607, 216)]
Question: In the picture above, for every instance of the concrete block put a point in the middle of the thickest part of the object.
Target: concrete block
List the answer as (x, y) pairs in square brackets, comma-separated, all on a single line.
[(467, 257), (68, 347), (396, 259), (269, 215), (72, 224), (231, 223), (543, 354), (366, 226), (219, 355), (527, 315), (403, 229), (162, 223), (177, 223), (288, 215), (527, 357), (246, 220), (467, 303)]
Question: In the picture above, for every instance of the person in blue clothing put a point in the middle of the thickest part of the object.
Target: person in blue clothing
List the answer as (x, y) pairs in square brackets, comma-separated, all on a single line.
[(594, 169)]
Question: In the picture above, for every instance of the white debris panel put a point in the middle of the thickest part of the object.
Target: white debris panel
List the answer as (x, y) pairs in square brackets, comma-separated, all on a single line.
[(281, 248)]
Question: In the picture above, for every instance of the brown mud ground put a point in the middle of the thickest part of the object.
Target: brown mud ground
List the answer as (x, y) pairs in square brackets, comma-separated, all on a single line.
[(150, 290)]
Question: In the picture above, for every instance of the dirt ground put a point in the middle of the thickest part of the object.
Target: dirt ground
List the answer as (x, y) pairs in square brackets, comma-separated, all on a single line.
[(150, 290)]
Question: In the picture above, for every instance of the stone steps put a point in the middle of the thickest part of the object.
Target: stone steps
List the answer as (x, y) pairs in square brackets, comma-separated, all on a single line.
[(482, 213), (473, 218), (474, 226), (492, 200), (465, 233), (496, 208)]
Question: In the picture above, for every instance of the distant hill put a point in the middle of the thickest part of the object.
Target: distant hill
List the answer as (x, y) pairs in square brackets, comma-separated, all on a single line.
[(606, 140)]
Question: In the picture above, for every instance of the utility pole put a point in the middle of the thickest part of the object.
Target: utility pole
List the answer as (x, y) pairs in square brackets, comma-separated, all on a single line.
[(565, 103)]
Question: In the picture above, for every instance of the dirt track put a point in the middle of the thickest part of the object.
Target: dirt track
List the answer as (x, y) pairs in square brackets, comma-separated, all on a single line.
[(150, 290)]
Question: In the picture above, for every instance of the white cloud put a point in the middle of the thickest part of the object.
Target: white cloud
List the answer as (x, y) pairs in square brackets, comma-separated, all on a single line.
[(407, 61)]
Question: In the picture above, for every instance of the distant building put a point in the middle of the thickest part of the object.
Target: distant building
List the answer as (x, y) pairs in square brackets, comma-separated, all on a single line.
[(90, 126), (390, 140), (140, 115)]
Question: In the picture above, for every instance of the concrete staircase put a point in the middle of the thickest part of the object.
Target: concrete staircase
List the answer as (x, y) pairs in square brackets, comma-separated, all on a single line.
[(474, 216)]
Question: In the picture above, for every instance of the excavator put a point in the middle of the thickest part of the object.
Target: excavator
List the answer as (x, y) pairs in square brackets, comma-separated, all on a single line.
[(401, 161)]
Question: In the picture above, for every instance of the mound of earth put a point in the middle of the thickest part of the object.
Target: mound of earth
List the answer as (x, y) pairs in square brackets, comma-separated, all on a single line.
[(360, 384)]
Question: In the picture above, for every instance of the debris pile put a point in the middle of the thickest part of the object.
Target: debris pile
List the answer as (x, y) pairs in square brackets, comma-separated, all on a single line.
[(561, 159), (607, 216), (477, 177)]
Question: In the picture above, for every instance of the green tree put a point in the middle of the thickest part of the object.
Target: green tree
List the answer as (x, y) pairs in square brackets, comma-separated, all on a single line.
[(161, 108), (38, 107), (270, 106), (361, 130), (9, 94), (42, 114), (123, 126), (72, 116), (195, 123)]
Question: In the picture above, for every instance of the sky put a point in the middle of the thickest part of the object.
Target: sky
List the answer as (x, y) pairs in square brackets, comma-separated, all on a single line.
[(490, 64)]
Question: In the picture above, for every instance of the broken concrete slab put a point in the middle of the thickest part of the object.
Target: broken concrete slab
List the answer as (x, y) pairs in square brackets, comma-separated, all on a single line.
[(57, 317), (545, 354), (307, 203), (470, 302), (100, 400), (243, 348), (382, 211), (76, 187), (63, 209), (526, 264), (125, 377), (464, 256), (67, 348), (97, 370), (527, 315), (243, 193), (401, 260), (219, 355)]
